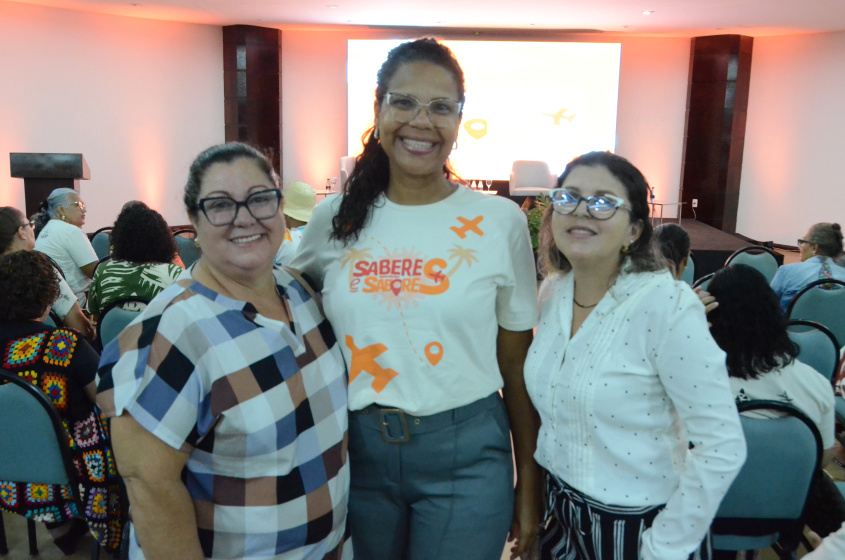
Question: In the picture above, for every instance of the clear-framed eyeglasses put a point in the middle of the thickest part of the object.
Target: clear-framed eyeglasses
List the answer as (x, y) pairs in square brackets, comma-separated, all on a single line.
[(441, 112), (601, 207), (78, 203), (222, 210)]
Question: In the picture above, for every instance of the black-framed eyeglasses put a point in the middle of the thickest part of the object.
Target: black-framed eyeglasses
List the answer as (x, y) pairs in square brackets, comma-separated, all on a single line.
[(223, 210), (30, 223), (441, 112), (803, 241), (601, 207)]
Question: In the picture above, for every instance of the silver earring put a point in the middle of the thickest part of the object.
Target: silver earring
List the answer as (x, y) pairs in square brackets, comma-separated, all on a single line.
[(375, 134), (455, 145)]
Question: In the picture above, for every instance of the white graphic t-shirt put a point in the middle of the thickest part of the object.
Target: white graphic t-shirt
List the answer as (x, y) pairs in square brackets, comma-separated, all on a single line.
[(417, 300)]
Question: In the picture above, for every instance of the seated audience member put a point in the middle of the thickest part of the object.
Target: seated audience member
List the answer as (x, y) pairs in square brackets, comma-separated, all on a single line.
[(141, 263), (58, 233), (673, 243), (300, 200), (63, 365), (16, 234), (820, 245), (761, 362)]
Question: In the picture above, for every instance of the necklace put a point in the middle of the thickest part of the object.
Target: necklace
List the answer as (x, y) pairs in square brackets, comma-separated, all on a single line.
[(584, 306)]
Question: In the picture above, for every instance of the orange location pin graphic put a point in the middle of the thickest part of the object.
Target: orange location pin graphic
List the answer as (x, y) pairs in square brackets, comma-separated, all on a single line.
[(477, 128), (434, 351)]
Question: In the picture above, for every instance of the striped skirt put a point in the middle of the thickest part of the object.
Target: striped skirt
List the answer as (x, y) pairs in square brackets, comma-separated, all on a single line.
[(580, 528)]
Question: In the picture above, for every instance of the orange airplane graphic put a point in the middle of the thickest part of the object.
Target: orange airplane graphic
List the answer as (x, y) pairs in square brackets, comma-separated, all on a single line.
[(364, 359), (468, 225), (559, 115)]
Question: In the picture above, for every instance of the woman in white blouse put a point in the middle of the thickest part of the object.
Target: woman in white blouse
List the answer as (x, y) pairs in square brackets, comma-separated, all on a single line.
[(640, 435)]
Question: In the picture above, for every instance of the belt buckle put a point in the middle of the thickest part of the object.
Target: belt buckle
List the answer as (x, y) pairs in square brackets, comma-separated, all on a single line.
[(393, 420)]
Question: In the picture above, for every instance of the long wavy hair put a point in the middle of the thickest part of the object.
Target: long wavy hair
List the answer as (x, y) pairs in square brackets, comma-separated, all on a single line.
[(640, 254), (371, 175), (748, 323)]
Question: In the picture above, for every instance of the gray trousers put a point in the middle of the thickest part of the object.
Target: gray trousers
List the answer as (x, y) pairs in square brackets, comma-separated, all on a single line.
[(444, 494)]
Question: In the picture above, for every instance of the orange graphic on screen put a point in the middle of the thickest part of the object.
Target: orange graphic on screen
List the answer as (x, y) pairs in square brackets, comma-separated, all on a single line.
[(468, 225), (364, 360), (559, 115)]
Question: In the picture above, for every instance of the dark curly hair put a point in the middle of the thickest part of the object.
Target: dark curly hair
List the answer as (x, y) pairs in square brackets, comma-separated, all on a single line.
[(141, 236), (640, 253), (748, 323), (29, 286), (371, 175), (672, 241), (222, 153)]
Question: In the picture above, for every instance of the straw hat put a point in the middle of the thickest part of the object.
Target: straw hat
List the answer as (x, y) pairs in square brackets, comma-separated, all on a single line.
[(300, 200)]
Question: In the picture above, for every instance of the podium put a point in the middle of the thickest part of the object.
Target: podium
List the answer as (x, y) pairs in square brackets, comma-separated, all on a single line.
[(43, 173)]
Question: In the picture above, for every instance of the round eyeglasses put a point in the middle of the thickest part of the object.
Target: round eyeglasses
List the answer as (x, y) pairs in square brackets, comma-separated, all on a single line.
[(223, 210), (441, 112), (601, 207)]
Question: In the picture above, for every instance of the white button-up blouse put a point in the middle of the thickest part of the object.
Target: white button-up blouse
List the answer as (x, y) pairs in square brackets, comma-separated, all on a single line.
[(622, 399)]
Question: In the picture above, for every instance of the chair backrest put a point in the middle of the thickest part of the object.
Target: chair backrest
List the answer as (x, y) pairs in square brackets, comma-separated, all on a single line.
[(816, 346), (33, 444), (115, 318), (689, 272), (347, 166), (817, 302), (760, 258), (530, 178), (101, 242), (185, 246), (703, 282), (53, 320), (770, 492)]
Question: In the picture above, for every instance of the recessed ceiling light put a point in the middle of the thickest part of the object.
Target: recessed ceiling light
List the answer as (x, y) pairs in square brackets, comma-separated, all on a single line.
[(331, 6), (648, 12)]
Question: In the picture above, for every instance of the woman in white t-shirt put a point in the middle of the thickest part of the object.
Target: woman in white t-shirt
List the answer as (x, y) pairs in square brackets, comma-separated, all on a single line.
[(16, 234), (430, 288), (749, 326), (59, 235), (625, 376)]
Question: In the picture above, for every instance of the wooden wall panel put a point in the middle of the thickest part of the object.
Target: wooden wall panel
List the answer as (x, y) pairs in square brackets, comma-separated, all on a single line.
[(252, 88), (717, 102)]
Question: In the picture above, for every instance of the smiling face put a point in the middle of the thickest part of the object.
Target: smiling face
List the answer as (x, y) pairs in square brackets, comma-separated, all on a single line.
[(73, 211), (246, 248), (584, 240), (418, 149)]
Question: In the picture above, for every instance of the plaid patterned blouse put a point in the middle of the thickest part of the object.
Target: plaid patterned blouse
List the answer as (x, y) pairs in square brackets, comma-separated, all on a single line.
[(259, 407)]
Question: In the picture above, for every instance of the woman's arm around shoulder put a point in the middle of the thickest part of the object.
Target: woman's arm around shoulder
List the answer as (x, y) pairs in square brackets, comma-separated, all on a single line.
[(314, 252)]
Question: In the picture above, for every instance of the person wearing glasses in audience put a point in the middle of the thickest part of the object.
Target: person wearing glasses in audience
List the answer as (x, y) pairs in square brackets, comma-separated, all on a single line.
[(228, 393), (59, 235), (16, 234), (431, 290), (820, 246), (640, 436)]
